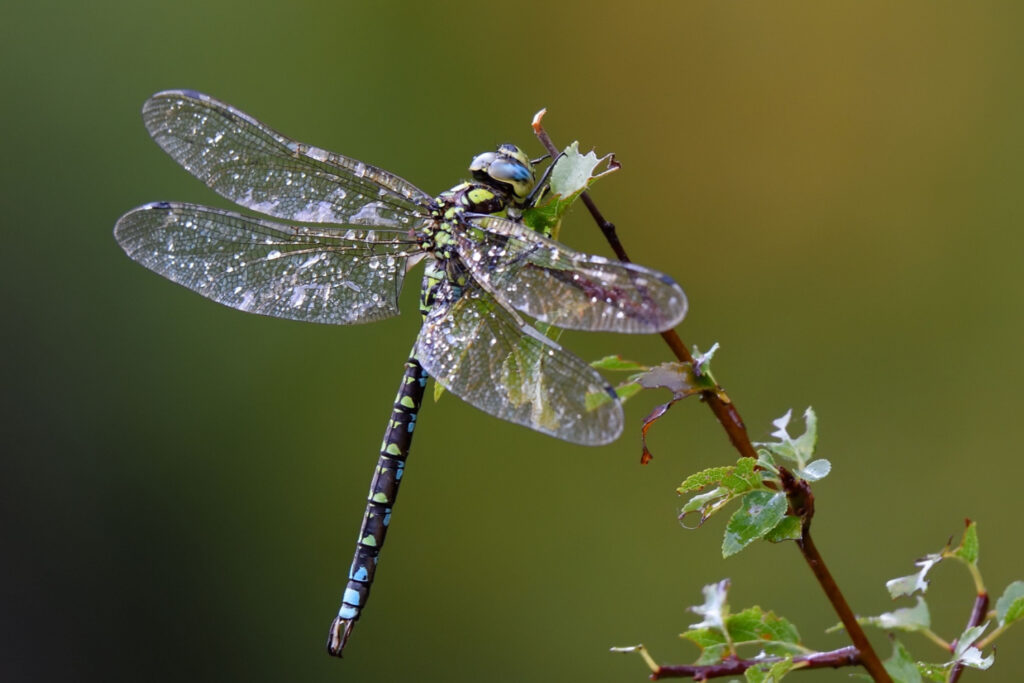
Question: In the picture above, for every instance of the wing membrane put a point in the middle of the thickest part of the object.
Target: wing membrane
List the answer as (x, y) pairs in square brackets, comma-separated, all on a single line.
[(260, 169), (481, 353), (324, 275), (566, 288)]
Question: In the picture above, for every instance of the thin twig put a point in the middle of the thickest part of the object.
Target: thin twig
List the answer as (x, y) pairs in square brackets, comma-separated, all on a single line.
[(847, 656), (799, 493), (723, 408), (978, 614), (801, 503)]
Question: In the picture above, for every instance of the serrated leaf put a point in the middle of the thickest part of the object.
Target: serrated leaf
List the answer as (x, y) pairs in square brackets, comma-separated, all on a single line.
[(906, 585), (760, 513), (789, 529), (697, 481), (901, 666), (706, 503), (571, 175), (769, 673), (799, 450), (575, 172), (1010, 605), (729, 482), (764, 629), (965, 653), (916, 618), (806, 442), (968, 548), (753, 627), (713, 645), (618, 364)]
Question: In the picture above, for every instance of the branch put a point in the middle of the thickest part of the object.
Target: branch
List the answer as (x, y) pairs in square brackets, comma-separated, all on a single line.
[(847, 656), (723, 408), (801, 502), (977, 616), (800, 497)]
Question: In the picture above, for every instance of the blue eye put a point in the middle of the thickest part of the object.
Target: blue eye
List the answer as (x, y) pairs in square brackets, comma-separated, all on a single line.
[(508, 170)]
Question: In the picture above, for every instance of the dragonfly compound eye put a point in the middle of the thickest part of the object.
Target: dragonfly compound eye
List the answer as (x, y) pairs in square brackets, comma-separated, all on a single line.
[(508, 168)]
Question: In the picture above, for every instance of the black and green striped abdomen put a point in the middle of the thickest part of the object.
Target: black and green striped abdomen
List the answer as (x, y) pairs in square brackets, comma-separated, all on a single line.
[(383, 490)]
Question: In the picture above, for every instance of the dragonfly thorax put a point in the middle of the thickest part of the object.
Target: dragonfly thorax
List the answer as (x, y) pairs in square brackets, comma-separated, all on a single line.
[(503, 180)]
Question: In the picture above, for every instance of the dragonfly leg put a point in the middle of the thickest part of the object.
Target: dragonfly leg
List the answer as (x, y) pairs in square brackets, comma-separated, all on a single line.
[(383, 490)]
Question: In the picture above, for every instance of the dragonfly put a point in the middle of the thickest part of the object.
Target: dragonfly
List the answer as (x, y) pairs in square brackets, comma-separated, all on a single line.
[(350, 234)]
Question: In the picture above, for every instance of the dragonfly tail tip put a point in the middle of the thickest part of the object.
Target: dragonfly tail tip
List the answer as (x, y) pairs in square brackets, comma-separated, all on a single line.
[(341, 629)]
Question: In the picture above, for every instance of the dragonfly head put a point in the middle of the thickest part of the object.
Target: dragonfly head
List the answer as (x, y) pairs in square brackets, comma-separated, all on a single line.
[(508, 170)]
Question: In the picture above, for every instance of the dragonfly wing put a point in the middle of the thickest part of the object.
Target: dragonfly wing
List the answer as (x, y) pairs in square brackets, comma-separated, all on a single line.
[(254, 166), (484, 355), (566, 288), (325, 275)]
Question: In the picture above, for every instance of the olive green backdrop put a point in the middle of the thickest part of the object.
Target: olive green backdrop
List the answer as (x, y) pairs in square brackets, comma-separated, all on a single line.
[(836, 185)]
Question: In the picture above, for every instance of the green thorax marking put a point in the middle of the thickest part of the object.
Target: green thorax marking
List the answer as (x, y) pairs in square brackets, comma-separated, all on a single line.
[(502, 180)]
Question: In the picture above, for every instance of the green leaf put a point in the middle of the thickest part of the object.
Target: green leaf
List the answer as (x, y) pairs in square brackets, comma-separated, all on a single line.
[(901, 666), (678, 378), (760, 513), (799, 450), (906, 585), (709, 477), (702, 362), (815, 470), (706, 503), (916, 618), (968, 548), (764, 629), (769, 673), (1010, 606), (789, 529), (574, 172), (933, 672), (617, 364), (571, 175), (965, 653), (729, 482), (751, 628)]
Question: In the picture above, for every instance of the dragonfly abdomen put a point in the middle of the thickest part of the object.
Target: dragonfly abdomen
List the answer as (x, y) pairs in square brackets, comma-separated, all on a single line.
[(383, 490)]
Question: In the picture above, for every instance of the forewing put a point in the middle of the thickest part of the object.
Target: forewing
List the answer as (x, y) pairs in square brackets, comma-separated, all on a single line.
[(260, 169), (325, 275), (550, 282), (481, 353)]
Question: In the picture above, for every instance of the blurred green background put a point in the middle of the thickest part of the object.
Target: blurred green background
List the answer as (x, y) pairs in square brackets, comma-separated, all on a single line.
[(836, 185)]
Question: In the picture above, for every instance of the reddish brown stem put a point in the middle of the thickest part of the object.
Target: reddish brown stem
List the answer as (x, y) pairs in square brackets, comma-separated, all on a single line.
[(847, 656), (977, 616), (727, 414), (801, 499), (801, 503)]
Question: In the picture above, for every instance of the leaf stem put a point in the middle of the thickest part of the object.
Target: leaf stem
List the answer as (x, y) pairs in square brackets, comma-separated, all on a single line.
[(937, 639)]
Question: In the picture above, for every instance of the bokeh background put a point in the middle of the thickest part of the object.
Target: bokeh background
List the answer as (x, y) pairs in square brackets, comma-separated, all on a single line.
[(836, 185)]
